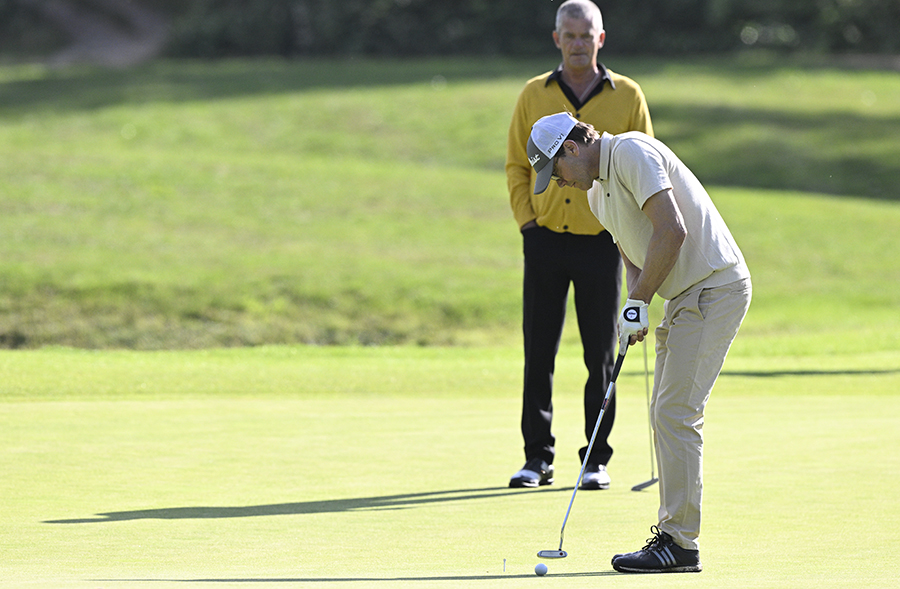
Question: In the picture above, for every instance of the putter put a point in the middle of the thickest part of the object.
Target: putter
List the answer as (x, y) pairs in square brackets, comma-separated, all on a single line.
[(653, 480), (560, 553)]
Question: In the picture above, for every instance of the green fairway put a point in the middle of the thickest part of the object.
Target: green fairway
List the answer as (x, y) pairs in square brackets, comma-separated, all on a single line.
[(175, 236), (387, 467)]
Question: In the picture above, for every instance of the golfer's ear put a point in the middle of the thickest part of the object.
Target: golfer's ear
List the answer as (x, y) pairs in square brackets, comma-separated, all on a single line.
[(571, 147)]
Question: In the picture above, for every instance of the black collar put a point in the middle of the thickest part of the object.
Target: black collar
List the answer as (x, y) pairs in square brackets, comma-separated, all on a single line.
[(556, 76)]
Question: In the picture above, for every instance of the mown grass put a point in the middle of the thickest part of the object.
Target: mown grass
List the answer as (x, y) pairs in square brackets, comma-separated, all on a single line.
[(211, 205), (308, 466), (364, 202)]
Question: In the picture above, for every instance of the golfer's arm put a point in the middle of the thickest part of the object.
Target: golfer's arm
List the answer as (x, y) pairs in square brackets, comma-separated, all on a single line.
[(632, 272), (665, 244)]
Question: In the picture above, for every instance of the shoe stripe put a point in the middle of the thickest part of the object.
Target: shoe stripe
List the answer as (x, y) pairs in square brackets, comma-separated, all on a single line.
[(665, 556)]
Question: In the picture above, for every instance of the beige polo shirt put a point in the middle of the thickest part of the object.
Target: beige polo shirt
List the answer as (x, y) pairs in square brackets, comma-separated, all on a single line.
[(634, 167)]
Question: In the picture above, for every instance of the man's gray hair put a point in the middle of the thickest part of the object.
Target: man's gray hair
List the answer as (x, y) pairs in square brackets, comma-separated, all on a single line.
[(581, 9)]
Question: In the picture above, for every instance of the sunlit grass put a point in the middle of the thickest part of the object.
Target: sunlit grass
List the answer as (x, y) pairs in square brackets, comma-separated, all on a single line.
[(245, 203)]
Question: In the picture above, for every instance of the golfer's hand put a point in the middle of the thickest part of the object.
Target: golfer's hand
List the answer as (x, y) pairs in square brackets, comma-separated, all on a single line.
[(634, 322)]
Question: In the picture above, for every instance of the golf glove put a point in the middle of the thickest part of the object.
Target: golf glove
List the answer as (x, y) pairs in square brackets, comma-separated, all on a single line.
[(633, 319)]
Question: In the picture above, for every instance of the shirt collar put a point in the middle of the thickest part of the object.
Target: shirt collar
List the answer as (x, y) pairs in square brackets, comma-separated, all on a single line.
[(605, 147), (556, 76)]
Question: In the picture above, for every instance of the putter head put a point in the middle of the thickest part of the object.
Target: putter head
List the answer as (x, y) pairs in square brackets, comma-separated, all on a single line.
[(552, 554), (644, 485)]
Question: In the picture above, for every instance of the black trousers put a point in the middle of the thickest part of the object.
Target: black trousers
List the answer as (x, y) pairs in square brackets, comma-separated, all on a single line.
[(591, 263)]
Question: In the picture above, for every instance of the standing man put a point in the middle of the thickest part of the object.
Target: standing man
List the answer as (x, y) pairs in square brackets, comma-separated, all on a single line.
[(563, 243), (675, 244)]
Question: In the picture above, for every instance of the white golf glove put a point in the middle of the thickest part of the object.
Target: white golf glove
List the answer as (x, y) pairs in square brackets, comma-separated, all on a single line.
[(633, 319)]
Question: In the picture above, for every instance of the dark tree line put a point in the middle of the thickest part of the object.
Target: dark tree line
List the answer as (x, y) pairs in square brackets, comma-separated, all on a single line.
[(521, 27), (222, 28)]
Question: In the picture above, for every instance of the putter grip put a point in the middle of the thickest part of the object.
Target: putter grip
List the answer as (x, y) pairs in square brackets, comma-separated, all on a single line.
[(622, 350), (623, 344)]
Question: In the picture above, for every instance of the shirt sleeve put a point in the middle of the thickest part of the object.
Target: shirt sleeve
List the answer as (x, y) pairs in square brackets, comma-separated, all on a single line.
[(518, 170), (640, 116), (641, 169)]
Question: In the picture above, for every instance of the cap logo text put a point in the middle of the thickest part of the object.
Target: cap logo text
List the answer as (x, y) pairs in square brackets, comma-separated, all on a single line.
[(553, 145)]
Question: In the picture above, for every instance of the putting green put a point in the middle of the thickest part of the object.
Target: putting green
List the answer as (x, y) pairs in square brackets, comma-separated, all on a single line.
[(111, 487)]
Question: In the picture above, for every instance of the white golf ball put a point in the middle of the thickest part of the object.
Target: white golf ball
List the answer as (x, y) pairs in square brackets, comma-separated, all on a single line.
[(540, 569)]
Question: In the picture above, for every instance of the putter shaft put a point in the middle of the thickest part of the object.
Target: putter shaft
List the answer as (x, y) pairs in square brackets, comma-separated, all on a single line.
[(623, 348)]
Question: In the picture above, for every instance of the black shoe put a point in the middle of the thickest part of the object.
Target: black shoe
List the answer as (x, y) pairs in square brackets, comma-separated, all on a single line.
[(660, 555), (595, 477), (535, 473)]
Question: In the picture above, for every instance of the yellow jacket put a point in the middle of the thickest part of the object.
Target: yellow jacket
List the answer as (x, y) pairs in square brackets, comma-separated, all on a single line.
[(619, 107)]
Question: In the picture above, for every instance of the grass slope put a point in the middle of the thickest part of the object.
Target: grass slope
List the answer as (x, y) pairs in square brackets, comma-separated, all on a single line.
[(245, 203)]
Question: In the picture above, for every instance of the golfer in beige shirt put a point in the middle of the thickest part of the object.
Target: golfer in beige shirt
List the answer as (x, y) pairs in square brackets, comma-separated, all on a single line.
[(675, 244)]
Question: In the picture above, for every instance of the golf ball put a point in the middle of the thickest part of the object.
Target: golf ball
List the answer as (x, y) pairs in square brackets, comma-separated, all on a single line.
[(540, 569)]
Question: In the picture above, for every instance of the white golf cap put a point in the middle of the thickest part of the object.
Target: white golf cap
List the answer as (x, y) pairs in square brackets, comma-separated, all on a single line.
[(547, 136)]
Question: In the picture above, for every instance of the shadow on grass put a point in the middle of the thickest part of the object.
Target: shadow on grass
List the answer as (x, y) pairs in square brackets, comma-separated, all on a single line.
[(79, 89), (306, 507), (780, 373), (461, 578), (88, 88), (828, 152)]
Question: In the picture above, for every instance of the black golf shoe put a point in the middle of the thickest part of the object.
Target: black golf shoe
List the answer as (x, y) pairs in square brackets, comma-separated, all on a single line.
[(595, 477), (660, 555), (535, 473)]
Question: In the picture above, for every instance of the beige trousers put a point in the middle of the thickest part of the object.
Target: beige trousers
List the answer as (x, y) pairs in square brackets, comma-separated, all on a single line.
[(691, 344)]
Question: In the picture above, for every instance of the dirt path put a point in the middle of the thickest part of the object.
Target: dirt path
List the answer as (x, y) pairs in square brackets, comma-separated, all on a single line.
[(114, 33)]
